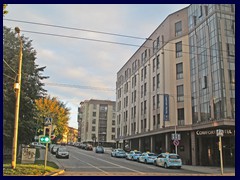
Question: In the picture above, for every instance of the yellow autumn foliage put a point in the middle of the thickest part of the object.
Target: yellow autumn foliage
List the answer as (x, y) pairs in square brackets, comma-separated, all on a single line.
[(53, 108)]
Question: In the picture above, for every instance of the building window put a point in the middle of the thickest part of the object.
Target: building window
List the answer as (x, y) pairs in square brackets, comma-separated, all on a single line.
[(178, 28), (231, 49), (154, 105), (204, 82), (113, 123), (94, 121), (179, 49), (145, 72), (154, 120), (158, 62), (113, 137), (145, 123), (154, 61), (158, 119), (113, 129), (94, 114), (158, 101), (141, 91), (180, 93), (145, 89), (181, 116), (179, 69), (158, 80), (93, 128), (154, 84), (145, 107)]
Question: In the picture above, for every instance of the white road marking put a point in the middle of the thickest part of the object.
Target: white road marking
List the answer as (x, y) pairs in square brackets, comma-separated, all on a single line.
[(113, 163), (91, 165)]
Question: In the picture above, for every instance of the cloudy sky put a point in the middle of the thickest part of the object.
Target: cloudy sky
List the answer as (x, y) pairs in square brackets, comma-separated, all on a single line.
[(87, 68)]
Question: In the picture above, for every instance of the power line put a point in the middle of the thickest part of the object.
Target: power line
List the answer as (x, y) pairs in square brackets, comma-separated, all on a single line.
[(9, 77), (101, 32), (88, 39), (112, 42), (78, 29), (9, 66), (79, 86)]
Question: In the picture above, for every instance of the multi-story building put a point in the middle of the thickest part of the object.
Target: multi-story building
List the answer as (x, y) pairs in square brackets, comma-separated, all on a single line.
[(153, 90), (212, 57), (165, 89), (97, 122)]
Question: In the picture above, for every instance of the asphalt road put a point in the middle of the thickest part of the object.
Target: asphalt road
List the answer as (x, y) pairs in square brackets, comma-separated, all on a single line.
[(82, 162)]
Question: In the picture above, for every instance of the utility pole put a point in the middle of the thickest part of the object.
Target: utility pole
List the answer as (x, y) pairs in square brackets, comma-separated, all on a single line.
[(17, 87)]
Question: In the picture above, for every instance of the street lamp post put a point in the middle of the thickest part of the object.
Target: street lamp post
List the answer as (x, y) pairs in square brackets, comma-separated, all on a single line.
[(17, 87)]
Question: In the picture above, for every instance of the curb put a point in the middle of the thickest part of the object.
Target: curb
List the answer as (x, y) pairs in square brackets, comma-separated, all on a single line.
[(55, 173)]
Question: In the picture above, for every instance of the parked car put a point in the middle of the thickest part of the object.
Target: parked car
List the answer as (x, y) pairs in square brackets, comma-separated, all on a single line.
[(99, 149), (54, 149), (168, 160), (118, 153), (89, 147), (133, 155), (62, 152), (147, 157), (37, 145)]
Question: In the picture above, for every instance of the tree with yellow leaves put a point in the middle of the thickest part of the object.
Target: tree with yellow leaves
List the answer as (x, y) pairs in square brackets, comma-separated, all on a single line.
[(48, 107)]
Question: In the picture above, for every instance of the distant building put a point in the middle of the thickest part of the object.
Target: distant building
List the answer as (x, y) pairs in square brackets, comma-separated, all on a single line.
[(97, 122)]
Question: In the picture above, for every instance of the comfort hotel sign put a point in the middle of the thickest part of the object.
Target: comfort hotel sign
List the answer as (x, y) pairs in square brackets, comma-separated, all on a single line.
[(230, 132)]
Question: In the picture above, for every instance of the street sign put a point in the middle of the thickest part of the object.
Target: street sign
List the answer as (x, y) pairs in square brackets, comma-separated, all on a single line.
[(48, 121), (219, 132), (176, 142), (176, 136)]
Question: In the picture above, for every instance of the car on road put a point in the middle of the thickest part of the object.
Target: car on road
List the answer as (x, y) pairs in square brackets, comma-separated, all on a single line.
[(168, 160), (147, 157), (37, 145), (133, 155), (118, 153), (89, 147), (54, 148), (62, 152), (99, 149)]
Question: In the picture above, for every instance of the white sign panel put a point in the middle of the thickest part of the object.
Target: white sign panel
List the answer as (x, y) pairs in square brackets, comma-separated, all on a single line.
[(28, 155)]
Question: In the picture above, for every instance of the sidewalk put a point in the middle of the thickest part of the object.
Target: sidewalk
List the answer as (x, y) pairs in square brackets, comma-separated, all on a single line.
[(200, 169)]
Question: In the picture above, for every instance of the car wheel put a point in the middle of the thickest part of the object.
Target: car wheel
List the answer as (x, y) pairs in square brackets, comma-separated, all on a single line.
[(132, 159), (111, 155), (155, 163), (145, 161), (179, 167), (165, 165)]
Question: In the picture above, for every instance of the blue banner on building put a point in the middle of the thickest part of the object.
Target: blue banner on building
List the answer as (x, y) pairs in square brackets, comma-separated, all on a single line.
[(166, 107)]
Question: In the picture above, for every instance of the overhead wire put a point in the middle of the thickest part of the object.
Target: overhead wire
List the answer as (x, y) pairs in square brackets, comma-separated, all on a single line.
[(9, 66), (112, 42), (78, 29), (100, 32)]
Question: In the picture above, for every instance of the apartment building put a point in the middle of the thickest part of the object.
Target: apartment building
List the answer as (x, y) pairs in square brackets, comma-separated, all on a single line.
[(154, 93), (97, 122), (181, 81)]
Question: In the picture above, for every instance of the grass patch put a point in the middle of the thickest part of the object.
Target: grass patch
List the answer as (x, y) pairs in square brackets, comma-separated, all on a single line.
[(36, 169)]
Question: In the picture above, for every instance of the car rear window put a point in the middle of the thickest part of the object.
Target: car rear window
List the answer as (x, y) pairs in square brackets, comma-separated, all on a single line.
[(174, 157)]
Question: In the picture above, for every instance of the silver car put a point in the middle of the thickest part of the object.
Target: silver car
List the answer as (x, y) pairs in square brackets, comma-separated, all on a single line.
[(62, 152)]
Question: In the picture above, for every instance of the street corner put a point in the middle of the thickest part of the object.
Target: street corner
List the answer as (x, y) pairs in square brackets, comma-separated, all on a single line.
[(55, 173)]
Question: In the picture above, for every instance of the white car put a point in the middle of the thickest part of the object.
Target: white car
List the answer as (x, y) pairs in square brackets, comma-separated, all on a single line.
[(38, 145)]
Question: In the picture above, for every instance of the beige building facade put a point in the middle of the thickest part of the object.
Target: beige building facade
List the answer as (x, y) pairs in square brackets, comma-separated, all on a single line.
[(155, 84), (97, 122)]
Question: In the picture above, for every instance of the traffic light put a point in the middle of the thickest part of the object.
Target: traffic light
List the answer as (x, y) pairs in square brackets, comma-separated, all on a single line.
[(44, 139)]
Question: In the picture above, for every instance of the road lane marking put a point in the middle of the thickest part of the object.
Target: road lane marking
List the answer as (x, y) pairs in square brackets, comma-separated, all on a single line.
[(112, 163), (91, 165)]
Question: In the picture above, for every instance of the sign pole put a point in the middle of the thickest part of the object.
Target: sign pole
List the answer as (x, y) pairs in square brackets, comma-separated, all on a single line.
[(220, 149), (45, 159)]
